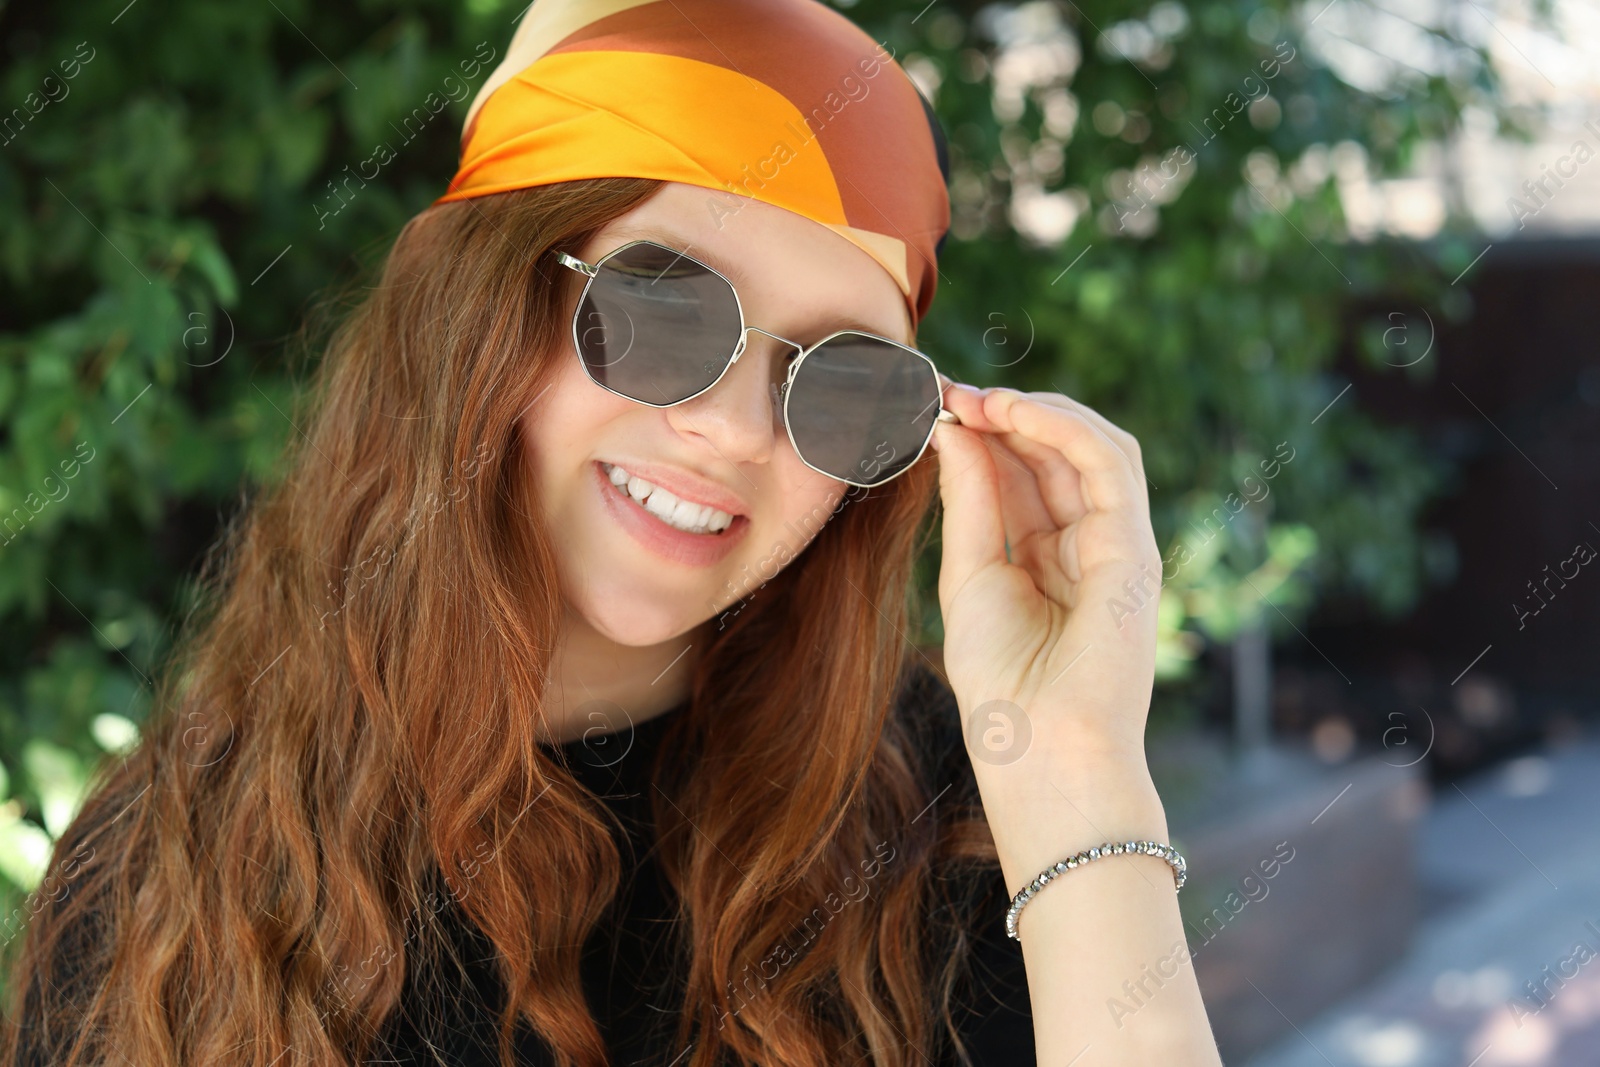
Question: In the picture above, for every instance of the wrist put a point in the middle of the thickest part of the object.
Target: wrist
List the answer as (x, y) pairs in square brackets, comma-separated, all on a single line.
[(1004, 735), (1027, 846), (1041, 811), (1073, 765)]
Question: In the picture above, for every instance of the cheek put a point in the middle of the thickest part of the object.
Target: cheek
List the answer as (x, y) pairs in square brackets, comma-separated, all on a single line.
[(562, 427), (808, 502)]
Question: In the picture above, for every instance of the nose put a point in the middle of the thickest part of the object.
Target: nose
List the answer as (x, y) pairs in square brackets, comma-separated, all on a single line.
[(741, 417)]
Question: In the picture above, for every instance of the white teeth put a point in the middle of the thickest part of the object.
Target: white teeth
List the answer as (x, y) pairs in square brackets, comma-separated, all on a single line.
[(690, 515), (679, 514), (661, 504)]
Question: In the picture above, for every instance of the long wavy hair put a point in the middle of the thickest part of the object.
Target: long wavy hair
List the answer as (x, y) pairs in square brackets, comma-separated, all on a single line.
[(349, 725)]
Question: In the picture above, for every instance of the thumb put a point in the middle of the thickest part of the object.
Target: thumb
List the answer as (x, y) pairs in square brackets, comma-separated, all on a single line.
[(973, 531)]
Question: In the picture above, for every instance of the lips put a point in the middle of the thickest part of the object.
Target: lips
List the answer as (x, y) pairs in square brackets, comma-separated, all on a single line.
[(684, 485), (681, 514), (668, 542)]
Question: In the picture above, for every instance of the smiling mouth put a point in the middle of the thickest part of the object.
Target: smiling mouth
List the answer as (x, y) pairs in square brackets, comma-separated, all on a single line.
[(680, 514)]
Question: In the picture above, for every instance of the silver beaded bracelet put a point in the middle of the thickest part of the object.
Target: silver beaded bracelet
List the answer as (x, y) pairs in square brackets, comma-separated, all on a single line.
[(1111, 848)]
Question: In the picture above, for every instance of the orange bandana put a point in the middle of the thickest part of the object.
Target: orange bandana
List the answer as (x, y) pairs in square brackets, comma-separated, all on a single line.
[(784, 101)]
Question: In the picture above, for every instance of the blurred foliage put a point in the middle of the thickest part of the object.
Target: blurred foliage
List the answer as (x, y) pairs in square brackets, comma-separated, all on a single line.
[(180, 181), (1149, 205)]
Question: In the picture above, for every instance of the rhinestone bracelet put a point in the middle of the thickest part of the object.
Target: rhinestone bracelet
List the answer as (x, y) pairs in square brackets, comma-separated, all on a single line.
[(1111, 848)]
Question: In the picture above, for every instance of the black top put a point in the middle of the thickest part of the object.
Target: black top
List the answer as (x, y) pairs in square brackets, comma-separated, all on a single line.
[(449, 1017), (631, 988)]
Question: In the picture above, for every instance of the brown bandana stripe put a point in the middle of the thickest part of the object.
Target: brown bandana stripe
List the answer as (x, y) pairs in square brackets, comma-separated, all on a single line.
[(785, 101)]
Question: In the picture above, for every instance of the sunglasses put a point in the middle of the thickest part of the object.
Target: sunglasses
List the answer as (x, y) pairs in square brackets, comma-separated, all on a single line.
[(660, 327)]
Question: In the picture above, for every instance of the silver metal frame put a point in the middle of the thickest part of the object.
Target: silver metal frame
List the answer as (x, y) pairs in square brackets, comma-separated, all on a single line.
[(590, 270)]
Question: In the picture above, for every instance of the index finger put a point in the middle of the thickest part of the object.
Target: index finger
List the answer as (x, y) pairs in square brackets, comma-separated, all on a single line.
[(1106, 474)]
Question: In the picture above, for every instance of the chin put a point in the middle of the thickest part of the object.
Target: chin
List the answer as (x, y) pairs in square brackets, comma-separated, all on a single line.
[(634, 617)]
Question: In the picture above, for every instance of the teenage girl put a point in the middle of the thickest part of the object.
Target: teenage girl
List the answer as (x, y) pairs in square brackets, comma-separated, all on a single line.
[(556, 706)]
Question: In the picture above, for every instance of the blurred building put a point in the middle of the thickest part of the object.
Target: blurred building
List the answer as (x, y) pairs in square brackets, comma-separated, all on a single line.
[(1500, 655)]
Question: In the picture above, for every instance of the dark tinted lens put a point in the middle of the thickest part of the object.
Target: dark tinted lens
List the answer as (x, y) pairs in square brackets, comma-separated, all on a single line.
[(656, 325), (861, 408)]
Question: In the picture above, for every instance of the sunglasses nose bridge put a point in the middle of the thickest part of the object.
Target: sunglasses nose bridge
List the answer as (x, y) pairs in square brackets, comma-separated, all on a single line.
[(744, 336)]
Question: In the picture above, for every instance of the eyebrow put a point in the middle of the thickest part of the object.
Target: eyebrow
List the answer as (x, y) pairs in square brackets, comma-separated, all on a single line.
[(829, 325)]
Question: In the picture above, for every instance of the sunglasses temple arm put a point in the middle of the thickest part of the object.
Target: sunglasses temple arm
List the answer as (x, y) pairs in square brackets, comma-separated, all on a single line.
[(573, 263)]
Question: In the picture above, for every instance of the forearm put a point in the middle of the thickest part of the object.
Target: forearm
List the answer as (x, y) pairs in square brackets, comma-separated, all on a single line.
[(1107, 964)]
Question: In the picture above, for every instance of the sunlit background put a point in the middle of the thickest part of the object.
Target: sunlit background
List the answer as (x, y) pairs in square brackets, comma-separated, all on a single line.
[(1335, 263)]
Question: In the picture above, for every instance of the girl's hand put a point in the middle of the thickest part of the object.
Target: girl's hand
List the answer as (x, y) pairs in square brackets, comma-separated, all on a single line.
[(1050, 653), (1059, 639)]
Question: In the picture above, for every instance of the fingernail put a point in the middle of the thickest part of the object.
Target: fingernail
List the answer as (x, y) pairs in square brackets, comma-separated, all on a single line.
[(970, 390)]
